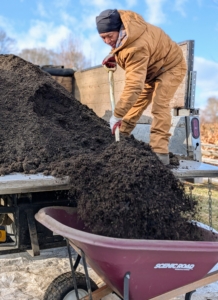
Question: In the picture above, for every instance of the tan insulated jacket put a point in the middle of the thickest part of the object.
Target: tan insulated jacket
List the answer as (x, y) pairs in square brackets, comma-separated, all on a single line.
[(146, 53)]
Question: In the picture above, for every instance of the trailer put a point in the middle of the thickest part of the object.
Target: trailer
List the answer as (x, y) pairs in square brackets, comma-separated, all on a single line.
[(22, 195)]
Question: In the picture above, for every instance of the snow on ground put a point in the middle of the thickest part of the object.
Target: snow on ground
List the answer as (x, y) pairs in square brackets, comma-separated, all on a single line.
[(25, 277)]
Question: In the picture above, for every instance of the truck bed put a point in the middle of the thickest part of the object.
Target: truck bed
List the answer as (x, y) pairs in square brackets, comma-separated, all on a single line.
[(20, 183)]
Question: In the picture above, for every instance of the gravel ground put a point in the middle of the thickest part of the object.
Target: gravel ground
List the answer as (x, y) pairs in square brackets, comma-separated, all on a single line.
[(25, 277)]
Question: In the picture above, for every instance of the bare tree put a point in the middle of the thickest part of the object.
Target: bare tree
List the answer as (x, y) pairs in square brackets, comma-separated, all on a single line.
[(210, 113), (71, 56), (39, 56), (68, 55), (7, 44)]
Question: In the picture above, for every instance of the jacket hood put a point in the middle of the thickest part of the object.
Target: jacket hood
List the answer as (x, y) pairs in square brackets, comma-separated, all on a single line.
[(134, 25)]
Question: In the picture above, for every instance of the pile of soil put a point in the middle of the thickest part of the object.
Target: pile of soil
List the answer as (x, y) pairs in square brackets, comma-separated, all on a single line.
[(41, 122), (121, 189), (135, 195)]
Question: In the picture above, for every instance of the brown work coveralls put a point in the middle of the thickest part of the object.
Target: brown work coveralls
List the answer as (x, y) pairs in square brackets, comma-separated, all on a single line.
[(154, 67)]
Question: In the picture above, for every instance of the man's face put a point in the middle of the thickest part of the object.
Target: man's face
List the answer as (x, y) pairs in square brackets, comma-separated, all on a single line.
[(110, 38)]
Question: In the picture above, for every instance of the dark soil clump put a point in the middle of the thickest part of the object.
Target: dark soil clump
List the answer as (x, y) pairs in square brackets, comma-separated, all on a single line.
[(122, 189), (135, 195)]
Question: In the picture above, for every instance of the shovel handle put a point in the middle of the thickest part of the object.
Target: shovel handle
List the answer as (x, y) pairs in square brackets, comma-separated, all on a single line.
[(117, 134), (111, 82)]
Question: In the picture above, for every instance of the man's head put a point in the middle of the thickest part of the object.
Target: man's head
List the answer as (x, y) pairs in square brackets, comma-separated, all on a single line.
[(108, 26)]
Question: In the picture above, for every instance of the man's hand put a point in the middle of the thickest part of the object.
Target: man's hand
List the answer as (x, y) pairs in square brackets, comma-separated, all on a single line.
[(114, 123), (109, 61)]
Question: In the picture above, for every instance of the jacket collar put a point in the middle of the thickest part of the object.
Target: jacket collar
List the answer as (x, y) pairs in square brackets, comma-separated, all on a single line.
[(134, 26)]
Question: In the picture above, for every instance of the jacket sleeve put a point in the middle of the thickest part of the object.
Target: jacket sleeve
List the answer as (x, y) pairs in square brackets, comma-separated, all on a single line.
[(135, 65)]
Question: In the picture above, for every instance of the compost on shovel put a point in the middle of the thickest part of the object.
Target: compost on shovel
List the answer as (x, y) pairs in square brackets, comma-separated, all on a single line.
[(121, 189)]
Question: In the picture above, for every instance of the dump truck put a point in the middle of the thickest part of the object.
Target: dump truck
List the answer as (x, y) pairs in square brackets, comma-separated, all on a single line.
[(23, 195)]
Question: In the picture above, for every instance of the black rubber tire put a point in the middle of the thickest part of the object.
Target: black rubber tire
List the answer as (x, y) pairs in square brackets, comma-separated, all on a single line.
[(59, 72), (188, 296), (63, 284)]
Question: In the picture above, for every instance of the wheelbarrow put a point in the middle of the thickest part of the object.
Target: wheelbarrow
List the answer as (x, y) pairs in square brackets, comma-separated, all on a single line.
[(132, 269)]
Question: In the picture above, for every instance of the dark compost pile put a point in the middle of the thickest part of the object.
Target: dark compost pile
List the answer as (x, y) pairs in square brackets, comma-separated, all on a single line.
[(121, 189)]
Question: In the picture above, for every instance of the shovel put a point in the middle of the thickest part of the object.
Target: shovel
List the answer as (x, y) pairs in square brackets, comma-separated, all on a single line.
[(112, 99)]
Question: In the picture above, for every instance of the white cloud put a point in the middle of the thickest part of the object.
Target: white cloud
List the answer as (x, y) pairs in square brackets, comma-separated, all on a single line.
[(5, 23), (94, 48), (207, 78), (42, 34), (67, 18), (101, 4), (154, 12), (41, 10), (62, 3), (131, 3), (179, 6), (48, 35)]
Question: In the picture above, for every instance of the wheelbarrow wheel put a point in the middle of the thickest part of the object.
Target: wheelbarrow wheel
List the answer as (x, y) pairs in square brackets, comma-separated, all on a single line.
[(62, 288)]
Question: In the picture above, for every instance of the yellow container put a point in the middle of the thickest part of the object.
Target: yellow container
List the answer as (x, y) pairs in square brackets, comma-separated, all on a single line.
[(2, 236)]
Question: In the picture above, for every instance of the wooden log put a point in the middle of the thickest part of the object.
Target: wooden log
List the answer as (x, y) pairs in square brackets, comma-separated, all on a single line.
[(214, 146), (99, 293), (210, 161), (209, 153), (209, 278)]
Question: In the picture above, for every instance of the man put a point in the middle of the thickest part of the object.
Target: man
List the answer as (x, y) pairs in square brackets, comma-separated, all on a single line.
[(154, 66)]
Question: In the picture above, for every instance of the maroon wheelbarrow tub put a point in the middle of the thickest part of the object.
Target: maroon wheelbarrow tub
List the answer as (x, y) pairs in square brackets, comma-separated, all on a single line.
[(155, 266)]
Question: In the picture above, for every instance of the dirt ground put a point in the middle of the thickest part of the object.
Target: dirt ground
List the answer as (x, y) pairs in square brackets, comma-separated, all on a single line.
[(27, 278), (122, 189)]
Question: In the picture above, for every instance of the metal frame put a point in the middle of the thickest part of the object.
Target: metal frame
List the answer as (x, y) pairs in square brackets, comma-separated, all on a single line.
[(74, 266), (33, 233), (193, 169), (28, 235), (191, 89), (126, 286), (73, 269), (191, 75)]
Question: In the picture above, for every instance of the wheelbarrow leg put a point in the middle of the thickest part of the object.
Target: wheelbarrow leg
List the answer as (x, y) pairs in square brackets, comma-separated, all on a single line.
[(126, 286), (189, 295), (87, 274), (72, 270)]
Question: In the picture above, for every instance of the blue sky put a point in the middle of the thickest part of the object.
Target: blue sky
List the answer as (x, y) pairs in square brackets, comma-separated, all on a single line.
[(45, 23)]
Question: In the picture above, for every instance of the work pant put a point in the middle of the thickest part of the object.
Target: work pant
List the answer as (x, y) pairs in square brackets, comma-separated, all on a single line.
[(159, 92)]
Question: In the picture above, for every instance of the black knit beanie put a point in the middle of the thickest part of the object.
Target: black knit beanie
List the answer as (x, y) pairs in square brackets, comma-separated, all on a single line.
[(108, 20)]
